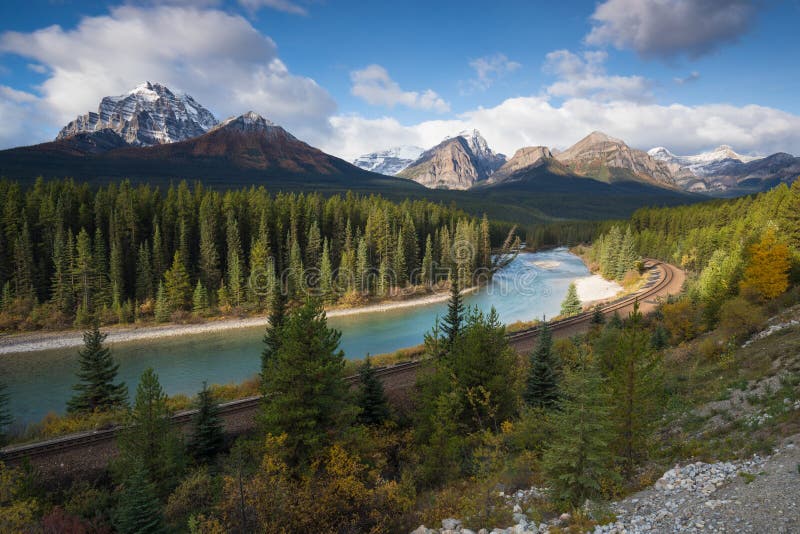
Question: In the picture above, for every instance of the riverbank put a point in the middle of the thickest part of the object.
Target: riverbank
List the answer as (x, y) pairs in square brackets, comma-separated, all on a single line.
[(39, 341)]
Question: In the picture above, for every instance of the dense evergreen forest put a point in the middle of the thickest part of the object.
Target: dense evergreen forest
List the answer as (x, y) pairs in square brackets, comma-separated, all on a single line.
[(124, 253), (590, 417), (748, 246)]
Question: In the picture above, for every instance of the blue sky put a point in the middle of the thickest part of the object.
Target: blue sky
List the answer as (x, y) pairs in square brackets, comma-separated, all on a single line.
[(352, 77)]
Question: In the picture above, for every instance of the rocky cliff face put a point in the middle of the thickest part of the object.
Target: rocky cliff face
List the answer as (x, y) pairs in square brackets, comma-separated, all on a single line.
[(524, 159), (456, 163), (608, 159), (148, 115), (389, 162)]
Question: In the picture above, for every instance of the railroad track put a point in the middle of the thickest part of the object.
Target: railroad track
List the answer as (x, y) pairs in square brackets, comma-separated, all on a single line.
[(654, 285)]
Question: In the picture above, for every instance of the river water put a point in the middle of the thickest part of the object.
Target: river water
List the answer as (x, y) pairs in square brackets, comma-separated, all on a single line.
[(533, 285)]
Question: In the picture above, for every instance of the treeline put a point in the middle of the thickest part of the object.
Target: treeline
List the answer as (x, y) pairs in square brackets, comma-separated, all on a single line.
[(615, 253), (747, 247), (121, 253), (567, 233)]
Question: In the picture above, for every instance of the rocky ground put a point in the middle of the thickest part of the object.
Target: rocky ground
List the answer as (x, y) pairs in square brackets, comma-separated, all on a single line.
[(759, 495)]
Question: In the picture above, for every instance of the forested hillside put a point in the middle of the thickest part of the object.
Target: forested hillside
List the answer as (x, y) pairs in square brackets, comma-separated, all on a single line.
[(69, 252), (749, 245)]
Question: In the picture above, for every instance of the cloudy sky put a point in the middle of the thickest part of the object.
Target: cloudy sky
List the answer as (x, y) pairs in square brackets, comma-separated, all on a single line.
[(354, 76)]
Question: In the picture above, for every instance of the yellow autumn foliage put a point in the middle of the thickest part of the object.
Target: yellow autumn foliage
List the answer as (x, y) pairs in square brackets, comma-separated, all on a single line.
[(767, 272)]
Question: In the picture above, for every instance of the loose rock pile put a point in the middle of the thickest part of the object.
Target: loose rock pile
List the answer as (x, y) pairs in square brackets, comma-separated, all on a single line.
[(669, 506)]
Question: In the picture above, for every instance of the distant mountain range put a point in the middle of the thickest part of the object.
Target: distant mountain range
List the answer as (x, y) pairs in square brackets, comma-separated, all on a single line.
[(152, 134), (466, 161)]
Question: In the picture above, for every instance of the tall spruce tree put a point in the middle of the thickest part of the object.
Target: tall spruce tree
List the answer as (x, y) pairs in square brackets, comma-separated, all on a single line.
[(635, 387), (272, 337), (139, 510), (208, 437), (374, 408), (149, 440), (541, 385), (306, 397), (579, 457), (96, 390), (5, 414), (177, 285), (452, 322), (571, 304)]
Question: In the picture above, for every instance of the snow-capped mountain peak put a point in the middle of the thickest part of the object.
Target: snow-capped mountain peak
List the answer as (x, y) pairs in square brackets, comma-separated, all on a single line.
[(704, 163), (149, 114), (390, 161)]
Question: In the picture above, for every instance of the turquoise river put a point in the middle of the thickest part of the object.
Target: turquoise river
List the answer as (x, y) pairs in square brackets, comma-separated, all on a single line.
[(533, 285)]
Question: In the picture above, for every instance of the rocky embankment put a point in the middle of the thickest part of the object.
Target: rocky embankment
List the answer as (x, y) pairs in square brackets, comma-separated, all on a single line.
[(758, 495)]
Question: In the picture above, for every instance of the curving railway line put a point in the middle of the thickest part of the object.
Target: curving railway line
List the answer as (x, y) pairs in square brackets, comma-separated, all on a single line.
[(95, 447)]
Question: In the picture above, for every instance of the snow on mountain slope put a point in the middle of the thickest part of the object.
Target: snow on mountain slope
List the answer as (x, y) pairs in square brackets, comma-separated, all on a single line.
[(391, 161), (150, 114), (706, 163)]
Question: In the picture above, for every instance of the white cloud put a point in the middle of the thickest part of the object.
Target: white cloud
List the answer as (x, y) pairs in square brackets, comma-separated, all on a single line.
[(286, 6), (667, 28), (219, 58), (490, 68), (535, 120), (585, 76), (374, 85), (13, 95), (691, 77)]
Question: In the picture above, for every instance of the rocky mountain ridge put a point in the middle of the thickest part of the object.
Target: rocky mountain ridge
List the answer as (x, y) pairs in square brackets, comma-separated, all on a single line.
[(458, 162), (150, 114)]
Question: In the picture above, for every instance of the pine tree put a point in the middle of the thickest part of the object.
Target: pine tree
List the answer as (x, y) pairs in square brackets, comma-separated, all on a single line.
[(177, 284), (571, 304), (149, 440), (60, 285), (362, 266), (139, 510), (296, 275), (578, 458), (158, 255), (541, 386), (627, 255), (117, 271), (635, 385), (790, 216), (451, 324), (306, 396), (96, 390), (208, 437), (428, 274), (161, 311), (485, 244), (597, 316), (200, 299), (272, 337), (209, 255), (235, 263), (144, 273), (481, 366), (326, 274), (5, 414), (23, 264), (374, 408), (400, 267), (100, 258)]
